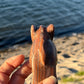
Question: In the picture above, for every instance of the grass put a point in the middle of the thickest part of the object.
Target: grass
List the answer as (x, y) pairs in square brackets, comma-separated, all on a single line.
[(71, 79), (74, 79), (80, 73)]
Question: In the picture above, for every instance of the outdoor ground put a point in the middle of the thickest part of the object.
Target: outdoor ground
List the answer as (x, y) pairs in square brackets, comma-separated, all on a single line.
[(70, 53)]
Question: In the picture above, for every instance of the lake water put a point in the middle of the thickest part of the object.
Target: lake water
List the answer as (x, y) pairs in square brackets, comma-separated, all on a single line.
[(16, 17)]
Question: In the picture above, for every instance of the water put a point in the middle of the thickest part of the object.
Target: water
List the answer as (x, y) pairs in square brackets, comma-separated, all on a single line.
[(16, 17)]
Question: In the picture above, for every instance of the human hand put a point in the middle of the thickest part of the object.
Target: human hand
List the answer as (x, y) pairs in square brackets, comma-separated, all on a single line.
[(49, 80), (20, 74)]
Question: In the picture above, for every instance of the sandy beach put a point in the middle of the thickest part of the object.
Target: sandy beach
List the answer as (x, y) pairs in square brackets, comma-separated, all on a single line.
[(70, 52)]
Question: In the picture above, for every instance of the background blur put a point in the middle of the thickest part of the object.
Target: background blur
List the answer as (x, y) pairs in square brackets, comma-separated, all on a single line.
[(16, 17)]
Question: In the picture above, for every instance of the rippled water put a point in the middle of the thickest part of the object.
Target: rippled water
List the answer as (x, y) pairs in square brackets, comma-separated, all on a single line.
[(17, 16)]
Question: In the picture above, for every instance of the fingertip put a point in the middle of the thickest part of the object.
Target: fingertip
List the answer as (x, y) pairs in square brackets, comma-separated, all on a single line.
[(20, 57), (50, 80), (15, 60)]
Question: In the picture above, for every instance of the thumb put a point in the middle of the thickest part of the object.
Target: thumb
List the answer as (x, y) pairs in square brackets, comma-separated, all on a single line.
[(49, 80)]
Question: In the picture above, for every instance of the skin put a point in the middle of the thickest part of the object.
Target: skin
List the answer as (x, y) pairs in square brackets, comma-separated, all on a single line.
[(20, 74)]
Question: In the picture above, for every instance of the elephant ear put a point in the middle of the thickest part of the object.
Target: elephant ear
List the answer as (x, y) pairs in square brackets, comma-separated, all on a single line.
[(32, 33), (50, 30)]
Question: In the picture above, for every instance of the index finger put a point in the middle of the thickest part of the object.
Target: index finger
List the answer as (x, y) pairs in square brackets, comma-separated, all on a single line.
[(21, 74), (8, 66)]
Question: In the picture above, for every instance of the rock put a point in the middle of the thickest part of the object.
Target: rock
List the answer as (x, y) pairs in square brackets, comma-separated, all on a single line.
[(76, 43), (66, 56), (58, 52)]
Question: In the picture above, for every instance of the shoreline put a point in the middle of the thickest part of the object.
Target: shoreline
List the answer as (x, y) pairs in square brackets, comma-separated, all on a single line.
[(70, 52), (15, 46)]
